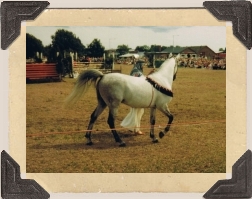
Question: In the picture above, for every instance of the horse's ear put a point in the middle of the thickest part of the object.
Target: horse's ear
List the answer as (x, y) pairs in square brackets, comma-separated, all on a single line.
[(177, 57), (170, 56)]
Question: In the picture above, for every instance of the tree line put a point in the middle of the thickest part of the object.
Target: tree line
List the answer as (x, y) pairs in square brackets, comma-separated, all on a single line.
[(63, 42)]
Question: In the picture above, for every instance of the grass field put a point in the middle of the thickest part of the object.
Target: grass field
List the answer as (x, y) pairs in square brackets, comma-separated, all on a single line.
[(196, 142)]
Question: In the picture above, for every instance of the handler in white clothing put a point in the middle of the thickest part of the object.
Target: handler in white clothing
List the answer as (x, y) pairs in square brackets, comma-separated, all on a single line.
[(133, 119)]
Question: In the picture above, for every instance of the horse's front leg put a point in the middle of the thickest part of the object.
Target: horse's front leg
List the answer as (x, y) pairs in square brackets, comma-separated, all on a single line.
[(152, 123), (167, 128)]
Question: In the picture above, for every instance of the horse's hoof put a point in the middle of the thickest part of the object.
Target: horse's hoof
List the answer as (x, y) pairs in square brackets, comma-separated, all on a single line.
[(161, 134), (155, 141), (122, 144), (89, 143)]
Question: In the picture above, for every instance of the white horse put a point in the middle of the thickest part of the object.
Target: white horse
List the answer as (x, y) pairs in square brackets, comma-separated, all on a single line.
[(133, 120), (154, 92)]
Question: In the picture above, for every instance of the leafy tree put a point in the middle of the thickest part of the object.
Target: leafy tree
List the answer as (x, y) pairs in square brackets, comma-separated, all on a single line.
[(143, 48), (155, 48), (65, 41), (221, 49), (33, 45), (108, 62), (95, 48), (122, 49), (80, 48), (164, 47), (50, 53)]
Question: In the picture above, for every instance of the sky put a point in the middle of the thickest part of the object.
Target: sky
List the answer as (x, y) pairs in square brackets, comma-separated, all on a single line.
[(133, 36)]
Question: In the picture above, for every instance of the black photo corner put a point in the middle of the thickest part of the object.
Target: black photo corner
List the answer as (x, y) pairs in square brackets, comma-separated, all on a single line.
[(238, 12)]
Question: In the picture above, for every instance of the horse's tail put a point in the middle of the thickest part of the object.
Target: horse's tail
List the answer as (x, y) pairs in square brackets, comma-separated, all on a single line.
[(84, 81)]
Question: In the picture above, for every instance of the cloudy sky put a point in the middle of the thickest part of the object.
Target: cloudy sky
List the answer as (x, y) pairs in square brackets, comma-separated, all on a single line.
[(111, 37)]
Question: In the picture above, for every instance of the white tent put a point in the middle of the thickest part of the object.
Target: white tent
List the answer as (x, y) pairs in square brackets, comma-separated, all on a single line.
[(130, 55)]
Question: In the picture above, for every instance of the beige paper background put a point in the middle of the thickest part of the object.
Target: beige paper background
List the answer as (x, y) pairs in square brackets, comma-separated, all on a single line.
[(236, 101)]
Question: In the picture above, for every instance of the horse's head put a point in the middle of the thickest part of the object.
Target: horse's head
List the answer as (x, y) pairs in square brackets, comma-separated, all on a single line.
[(166, 73), (176, 66)]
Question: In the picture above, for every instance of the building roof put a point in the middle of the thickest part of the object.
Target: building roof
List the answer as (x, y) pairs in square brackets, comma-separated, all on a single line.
[(170, 49), (196, 49), (178, 49)]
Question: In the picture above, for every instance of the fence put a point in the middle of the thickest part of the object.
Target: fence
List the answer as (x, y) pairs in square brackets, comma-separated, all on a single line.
[(46, 72), (81, 66)]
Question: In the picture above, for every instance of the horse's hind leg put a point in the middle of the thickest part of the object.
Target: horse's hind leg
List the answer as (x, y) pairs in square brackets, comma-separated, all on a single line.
[(167, 112), (99, 109), (152, 122), (111, 123)]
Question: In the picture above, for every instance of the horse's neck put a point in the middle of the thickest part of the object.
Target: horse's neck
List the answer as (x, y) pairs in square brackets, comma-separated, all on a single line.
[(164, 76)]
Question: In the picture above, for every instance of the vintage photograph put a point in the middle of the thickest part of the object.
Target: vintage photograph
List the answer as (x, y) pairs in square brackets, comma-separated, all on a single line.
[(126, 99)]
